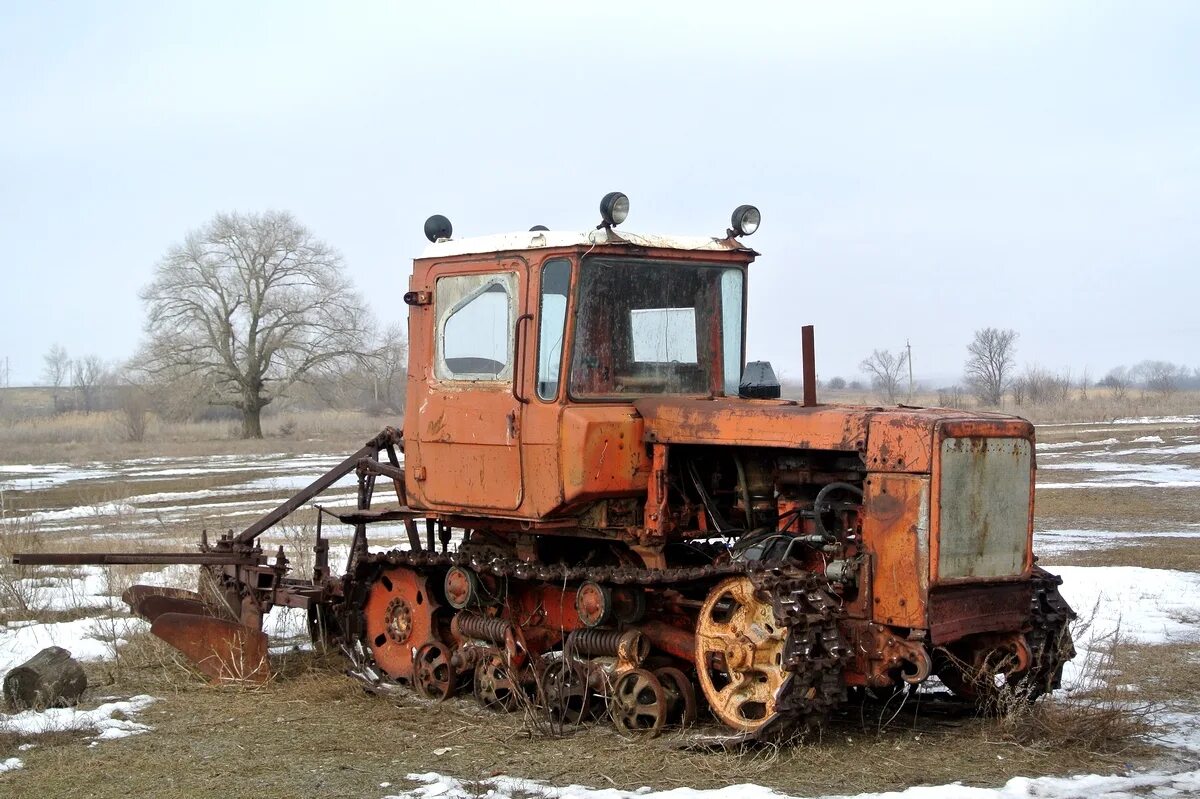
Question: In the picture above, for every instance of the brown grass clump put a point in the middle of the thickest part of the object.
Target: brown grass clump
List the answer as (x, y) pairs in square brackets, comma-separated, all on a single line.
[(19, 598), (1103, 718)]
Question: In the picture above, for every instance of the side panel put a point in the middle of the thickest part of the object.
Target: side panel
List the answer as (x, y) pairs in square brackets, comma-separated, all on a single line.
[(896, 533), (602, 453)]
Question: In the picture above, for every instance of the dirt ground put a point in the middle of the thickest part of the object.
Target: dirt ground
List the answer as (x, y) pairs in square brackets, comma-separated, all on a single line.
[(316, 732)]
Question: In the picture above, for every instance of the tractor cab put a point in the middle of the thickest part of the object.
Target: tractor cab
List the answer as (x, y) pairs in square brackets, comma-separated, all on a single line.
[(514, 336)]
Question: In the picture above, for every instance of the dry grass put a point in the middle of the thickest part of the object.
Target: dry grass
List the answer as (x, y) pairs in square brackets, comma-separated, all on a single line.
[(75, 437), (351, 742), (1104, 719), (19, 598), (1126, 509), (1151, 552)]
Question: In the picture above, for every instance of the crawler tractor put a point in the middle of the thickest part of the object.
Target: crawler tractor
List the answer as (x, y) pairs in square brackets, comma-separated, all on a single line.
[(598, 503)]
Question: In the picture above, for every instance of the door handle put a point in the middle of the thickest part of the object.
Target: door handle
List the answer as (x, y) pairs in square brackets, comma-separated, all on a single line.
[(518, 372), (512, 424)]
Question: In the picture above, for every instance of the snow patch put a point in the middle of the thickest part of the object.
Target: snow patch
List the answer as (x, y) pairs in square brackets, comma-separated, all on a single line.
[(68, 719), (1151, 606), (1088, 786), (1069, 444), (12, 764), (85, 639), (1138, 605)]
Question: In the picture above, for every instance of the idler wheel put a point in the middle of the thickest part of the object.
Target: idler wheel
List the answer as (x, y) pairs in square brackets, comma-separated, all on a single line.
[(566, 693), (594, 603), (681, 696), (739, 655), (495, 687), (433, 675), (461, 587), (639, 704)]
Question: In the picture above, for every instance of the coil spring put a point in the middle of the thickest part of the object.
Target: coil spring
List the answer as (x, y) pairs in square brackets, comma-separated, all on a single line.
[(483, 628), (594, 642)]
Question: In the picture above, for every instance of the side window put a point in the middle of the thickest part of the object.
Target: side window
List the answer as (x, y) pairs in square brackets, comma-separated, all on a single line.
[(475, 316), (556, 281)]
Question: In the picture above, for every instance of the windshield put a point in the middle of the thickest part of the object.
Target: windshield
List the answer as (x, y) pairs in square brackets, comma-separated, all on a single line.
[(653, 327)]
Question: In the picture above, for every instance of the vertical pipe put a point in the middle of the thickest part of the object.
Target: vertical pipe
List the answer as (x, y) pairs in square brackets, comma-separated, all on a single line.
[(810, 365)]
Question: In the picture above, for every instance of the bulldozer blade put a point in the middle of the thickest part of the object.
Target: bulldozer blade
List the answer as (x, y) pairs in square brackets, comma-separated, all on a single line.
[(222, 649), (136, 595), (155, 605)]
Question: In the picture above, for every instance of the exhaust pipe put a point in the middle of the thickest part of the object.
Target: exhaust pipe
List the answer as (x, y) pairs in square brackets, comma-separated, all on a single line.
[(810, 366)]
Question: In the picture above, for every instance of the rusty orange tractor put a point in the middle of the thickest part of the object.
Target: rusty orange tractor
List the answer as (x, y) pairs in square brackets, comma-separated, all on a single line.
[(602, 503)]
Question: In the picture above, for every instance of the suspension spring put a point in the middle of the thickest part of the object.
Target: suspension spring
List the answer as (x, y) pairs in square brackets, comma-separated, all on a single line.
[(593, 642), (483, 628), (626, 645)]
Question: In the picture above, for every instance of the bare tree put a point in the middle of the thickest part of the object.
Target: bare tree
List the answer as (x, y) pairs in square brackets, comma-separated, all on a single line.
[(57, 371), (1161, 376), (1037, 386), (990, 365), (884, 368), (1118, 381), (88, 375), (133, 406), (252, 303), (391, 366)]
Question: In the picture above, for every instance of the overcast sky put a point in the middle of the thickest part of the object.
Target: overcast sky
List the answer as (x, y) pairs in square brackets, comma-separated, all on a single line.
[(922, 169)]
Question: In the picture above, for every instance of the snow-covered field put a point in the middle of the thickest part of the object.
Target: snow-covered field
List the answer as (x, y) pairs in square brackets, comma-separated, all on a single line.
[(1147, 606), (227, 481)]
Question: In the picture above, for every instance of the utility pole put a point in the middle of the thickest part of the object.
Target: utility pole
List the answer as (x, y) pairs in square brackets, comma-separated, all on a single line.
[(908, 344)]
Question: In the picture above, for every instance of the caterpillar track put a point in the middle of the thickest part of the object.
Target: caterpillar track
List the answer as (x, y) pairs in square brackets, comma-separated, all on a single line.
[(804, 610)]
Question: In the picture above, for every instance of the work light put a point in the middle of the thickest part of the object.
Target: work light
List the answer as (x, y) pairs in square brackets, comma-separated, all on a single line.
[(437, 227), (614, 208), (746, 220)]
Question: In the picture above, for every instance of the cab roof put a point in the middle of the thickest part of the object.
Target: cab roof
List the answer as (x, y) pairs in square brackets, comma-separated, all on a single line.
[(544, 239)]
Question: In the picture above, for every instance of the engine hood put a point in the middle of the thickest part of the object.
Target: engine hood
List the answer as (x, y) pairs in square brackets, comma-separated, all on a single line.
[(889, 439)]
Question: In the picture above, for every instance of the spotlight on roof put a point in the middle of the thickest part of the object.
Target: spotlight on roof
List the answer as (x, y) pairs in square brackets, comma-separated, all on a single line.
[(438, 228), (537, 228), (745, 220), (614, 208)]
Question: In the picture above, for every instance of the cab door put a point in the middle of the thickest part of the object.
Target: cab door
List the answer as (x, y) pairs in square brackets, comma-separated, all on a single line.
[(468, 415)]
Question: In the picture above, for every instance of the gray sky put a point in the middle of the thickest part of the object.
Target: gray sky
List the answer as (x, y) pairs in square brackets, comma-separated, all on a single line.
[(922, 169)]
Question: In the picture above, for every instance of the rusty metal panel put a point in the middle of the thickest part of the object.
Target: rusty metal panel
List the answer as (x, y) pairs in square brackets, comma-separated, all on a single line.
[(765, 423), (896, 531), (900, 442), (602, 453), (960, 610), (983, 515)]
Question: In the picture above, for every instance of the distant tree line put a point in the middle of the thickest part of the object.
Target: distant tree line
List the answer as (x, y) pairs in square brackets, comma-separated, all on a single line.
[(990, 375)]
